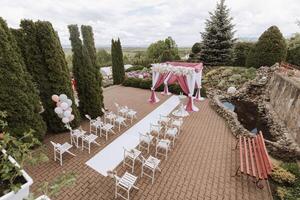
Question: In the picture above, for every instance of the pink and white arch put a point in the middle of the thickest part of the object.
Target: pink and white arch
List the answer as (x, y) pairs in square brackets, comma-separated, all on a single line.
[(188, 76)]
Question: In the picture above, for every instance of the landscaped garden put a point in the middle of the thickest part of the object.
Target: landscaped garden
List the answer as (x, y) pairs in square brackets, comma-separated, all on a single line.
[(221, 122)]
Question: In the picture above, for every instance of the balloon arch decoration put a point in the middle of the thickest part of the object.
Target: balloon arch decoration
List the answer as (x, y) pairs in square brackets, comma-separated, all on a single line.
[(188, 76)]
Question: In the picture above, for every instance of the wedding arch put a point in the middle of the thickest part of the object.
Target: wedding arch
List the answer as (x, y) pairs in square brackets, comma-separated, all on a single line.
[(188, 76)]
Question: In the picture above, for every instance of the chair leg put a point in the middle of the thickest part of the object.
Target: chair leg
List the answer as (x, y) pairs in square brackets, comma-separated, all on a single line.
[(153, 176), (60, 159)]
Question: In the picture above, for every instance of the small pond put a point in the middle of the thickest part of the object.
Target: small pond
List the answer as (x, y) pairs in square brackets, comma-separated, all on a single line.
[(249, 117)]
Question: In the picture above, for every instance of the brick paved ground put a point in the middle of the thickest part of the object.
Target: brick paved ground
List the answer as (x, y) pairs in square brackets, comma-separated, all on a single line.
[(199, 167)]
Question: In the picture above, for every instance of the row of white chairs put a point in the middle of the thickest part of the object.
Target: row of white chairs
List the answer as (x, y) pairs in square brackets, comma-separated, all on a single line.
[(103, 127), (164, 138)]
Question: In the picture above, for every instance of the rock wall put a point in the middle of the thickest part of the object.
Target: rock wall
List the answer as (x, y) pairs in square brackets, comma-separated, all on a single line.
[(285, 100)]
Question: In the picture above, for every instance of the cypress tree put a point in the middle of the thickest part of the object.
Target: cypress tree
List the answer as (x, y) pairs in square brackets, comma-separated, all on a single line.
[(18, 95), (269, 49), (89, 43), (89, 90), (117, 62), (218, 38), (45, 60)]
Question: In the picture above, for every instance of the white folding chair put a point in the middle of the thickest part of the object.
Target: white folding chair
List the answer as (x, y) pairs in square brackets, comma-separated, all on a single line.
[(155, 128), (106, 128), (177, 122), (162, 144), (164, 120), (122, 110), (61, 149), (171, 132), (110, 116), (119, 120), (125, 183), (75, 134), (130, 156), (151, 163), (131, 114), (94, 125), (88, 140), (145, 139)]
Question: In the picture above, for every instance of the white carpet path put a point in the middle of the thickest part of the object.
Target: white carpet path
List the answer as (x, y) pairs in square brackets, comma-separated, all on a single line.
[(111, 156)]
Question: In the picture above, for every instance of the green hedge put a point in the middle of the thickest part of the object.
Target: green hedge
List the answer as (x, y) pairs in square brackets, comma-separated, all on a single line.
[(135, 68), (147, 83)]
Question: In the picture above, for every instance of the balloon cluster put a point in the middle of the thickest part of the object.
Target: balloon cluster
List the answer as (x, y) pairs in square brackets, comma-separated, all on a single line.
[(63, 108)]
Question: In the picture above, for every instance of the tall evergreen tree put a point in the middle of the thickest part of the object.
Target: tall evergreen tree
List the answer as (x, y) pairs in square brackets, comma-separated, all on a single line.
[(270, 48), (117, 62), (218, 38), (89, 89), (18, 95), (89, 43)]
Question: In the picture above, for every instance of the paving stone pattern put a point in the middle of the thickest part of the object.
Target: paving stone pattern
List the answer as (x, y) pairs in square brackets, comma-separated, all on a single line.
[(200, 166)]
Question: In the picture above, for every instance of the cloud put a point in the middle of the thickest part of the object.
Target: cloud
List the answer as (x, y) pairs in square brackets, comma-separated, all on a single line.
[(139, 23)]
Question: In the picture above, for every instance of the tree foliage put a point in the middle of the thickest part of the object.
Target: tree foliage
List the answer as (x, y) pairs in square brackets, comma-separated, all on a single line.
[(88, 86), (269, 49), (103, 58), (218, 38), (89, 44), (240, 53), (293, 52), (196, 48), (45, 60), (163, 50), (118, 70), (18, 95)]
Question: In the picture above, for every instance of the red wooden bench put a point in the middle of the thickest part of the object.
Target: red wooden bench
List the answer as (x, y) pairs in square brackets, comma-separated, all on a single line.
[(254, 158)]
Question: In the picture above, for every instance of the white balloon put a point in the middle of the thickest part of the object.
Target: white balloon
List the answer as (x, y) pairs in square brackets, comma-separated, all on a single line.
[(67, 113), (69, 102), (63, 97), (65, 120), (61, 115), (58, 110), (71, 117), (64, 106), (70, 109)]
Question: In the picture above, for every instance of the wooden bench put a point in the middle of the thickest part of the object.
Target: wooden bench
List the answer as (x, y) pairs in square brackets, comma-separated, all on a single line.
[(254, 158)]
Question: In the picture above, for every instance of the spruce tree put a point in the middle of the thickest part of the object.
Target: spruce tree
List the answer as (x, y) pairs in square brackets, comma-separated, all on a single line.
[(89, 43), (18, 95), (89, 90), (270, 48), (117, 62), (218, 38)]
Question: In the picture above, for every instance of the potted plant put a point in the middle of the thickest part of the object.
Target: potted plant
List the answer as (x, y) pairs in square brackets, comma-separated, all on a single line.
[(14, 181)]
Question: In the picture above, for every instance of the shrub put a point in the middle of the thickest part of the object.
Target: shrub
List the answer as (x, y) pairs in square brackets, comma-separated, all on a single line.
[(135, 68), (293, 56), (196, 48), (282, 176), (240, 52), (270, 48)]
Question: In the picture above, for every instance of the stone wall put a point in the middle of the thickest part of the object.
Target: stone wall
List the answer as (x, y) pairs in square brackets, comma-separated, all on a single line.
[(285, 100)]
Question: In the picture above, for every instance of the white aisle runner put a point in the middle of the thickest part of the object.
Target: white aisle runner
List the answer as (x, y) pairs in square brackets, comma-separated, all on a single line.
[(110, 157)]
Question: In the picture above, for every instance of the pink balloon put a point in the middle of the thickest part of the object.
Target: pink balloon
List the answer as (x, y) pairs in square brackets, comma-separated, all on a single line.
[(55, 98)]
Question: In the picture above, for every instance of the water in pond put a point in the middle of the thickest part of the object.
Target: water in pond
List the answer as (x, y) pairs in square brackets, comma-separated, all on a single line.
[(249, 117)]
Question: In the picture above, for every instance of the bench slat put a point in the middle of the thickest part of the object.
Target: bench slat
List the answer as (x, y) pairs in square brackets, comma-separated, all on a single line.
[(251, 158), (267, 161), (260, 157), (241, 155), (246, 155), (257, 162)]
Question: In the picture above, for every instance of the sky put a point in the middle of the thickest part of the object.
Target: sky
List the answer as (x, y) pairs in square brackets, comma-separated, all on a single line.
[(138, 23)]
